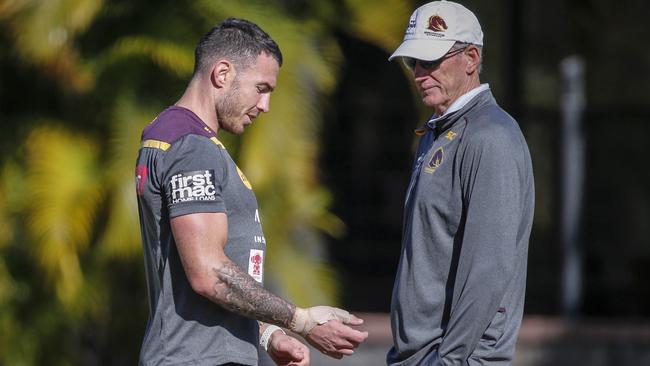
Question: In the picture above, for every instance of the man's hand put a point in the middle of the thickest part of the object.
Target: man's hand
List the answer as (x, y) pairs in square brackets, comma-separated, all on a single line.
[(285, 350), (305, 319), (325, 328), (335, 339)]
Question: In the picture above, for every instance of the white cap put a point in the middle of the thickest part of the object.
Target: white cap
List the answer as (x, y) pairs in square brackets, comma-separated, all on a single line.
[(435, 27)]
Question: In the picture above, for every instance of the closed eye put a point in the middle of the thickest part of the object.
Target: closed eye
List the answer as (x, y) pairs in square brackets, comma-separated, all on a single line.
[(264, 88)]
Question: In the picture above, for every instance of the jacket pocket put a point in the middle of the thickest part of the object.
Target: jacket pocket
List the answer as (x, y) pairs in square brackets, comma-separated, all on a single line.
[(495, 330), (487, 351)]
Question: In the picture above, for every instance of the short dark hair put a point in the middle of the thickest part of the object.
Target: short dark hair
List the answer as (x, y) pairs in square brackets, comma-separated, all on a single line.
[(237, 40)]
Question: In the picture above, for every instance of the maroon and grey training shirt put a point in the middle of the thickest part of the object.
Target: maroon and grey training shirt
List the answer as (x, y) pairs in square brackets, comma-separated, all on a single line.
[(182, 168)]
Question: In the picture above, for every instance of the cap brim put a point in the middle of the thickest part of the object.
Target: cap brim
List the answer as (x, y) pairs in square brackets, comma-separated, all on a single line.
[(422, 49)]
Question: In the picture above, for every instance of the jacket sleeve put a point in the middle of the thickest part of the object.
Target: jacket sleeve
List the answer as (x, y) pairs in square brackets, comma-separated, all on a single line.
[(490, 169)]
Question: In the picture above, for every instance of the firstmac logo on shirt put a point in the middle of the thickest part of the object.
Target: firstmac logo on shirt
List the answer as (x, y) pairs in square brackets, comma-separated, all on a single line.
[(193, 186)]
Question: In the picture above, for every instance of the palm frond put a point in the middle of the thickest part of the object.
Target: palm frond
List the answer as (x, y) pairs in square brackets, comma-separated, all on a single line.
[(64, 185), (169, 55), (6, 223), (44, 32)]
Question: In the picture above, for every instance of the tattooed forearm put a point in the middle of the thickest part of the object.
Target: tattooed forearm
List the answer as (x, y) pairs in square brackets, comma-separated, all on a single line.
[(240, 293)]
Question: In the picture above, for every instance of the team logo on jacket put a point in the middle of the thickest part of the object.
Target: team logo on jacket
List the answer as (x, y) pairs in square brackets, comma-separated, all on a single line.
[(192, 186), (435, 162), (256, 264)]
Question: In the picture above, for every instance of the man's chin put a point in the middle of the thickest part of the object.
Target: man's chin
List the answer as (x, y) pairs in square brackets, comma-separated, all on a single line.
[(431, 101), (235, 130)]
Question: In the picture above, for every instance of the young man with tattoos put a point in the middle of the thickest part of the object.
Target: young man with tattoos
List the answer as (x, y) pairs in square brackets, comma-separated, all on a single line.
[(203, 243)]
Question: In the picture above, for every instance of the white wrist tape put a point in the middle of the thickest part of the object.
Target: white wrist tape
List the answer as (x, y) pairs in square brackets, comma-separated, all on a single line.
[(266, 336), (305, 319)]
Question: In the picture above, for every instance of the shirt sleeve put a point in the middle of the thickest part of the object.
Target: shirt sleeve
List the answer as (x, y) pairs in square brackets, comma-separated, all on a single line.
[(194, 176), (490, 176)]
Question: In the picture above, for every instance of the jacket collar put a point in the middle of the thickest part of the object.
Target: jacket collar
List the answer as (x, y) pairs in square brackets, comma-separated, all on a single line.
[(478, 96)]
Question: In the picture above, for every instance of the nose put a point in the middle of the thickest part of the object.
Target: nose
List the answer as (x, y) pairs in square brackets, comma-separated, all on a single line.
[(264, 103)]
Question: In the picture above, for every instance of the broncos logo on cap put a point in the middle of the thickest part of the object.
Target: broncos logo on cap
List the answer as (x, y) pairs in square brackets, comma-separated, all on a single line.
[(437, 24)]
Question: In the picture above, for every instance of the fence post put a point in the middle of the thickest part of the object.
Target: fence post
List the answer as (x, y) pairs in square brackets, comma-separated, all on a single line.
[(572, 180)]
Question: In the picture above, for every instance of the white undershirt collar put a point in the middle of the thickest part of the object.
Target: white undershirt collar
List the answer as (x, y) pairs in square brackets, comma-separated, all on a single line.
[(461, 101)]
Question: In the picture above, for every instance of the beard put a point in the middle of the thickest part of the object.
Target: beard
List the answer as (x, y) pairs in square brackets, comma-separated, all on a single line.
[(228, 111)]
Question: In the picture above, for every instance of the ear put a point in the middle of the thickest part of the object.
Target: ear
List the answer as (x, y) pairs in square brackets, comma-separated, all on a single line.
[(222, 73), (473, 57)]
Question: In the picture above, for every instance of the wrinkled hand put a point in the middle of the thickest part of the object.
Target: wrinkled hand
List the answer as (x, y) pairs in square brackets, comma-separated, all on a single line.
[(335, 339), (285, 350)]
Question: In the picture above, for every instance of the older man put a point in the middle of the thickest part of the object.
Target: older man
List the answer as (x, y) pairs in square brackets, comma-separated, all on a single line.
[(459, 291)]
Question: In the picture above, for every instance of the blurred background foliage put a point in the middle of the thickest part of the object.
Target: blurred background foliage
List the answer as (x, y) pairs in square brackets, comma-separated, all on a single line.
[(79, 79)]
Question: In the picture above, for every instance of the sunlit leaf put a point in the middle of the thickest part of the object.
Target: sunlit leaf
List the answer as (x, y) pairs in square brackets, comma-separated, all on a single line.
[(179, 59), (44, 33), (64, 184)]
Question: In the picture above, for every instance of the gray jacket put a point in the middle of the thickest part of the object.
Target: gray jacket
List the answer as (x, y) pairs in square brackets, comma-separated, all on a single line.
[(459, 291)]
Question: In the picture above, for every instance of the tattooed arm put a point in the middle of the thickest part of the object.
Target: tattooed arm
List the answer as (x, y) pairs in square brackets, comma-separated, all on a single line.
[(201, 239), (241, 294)]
